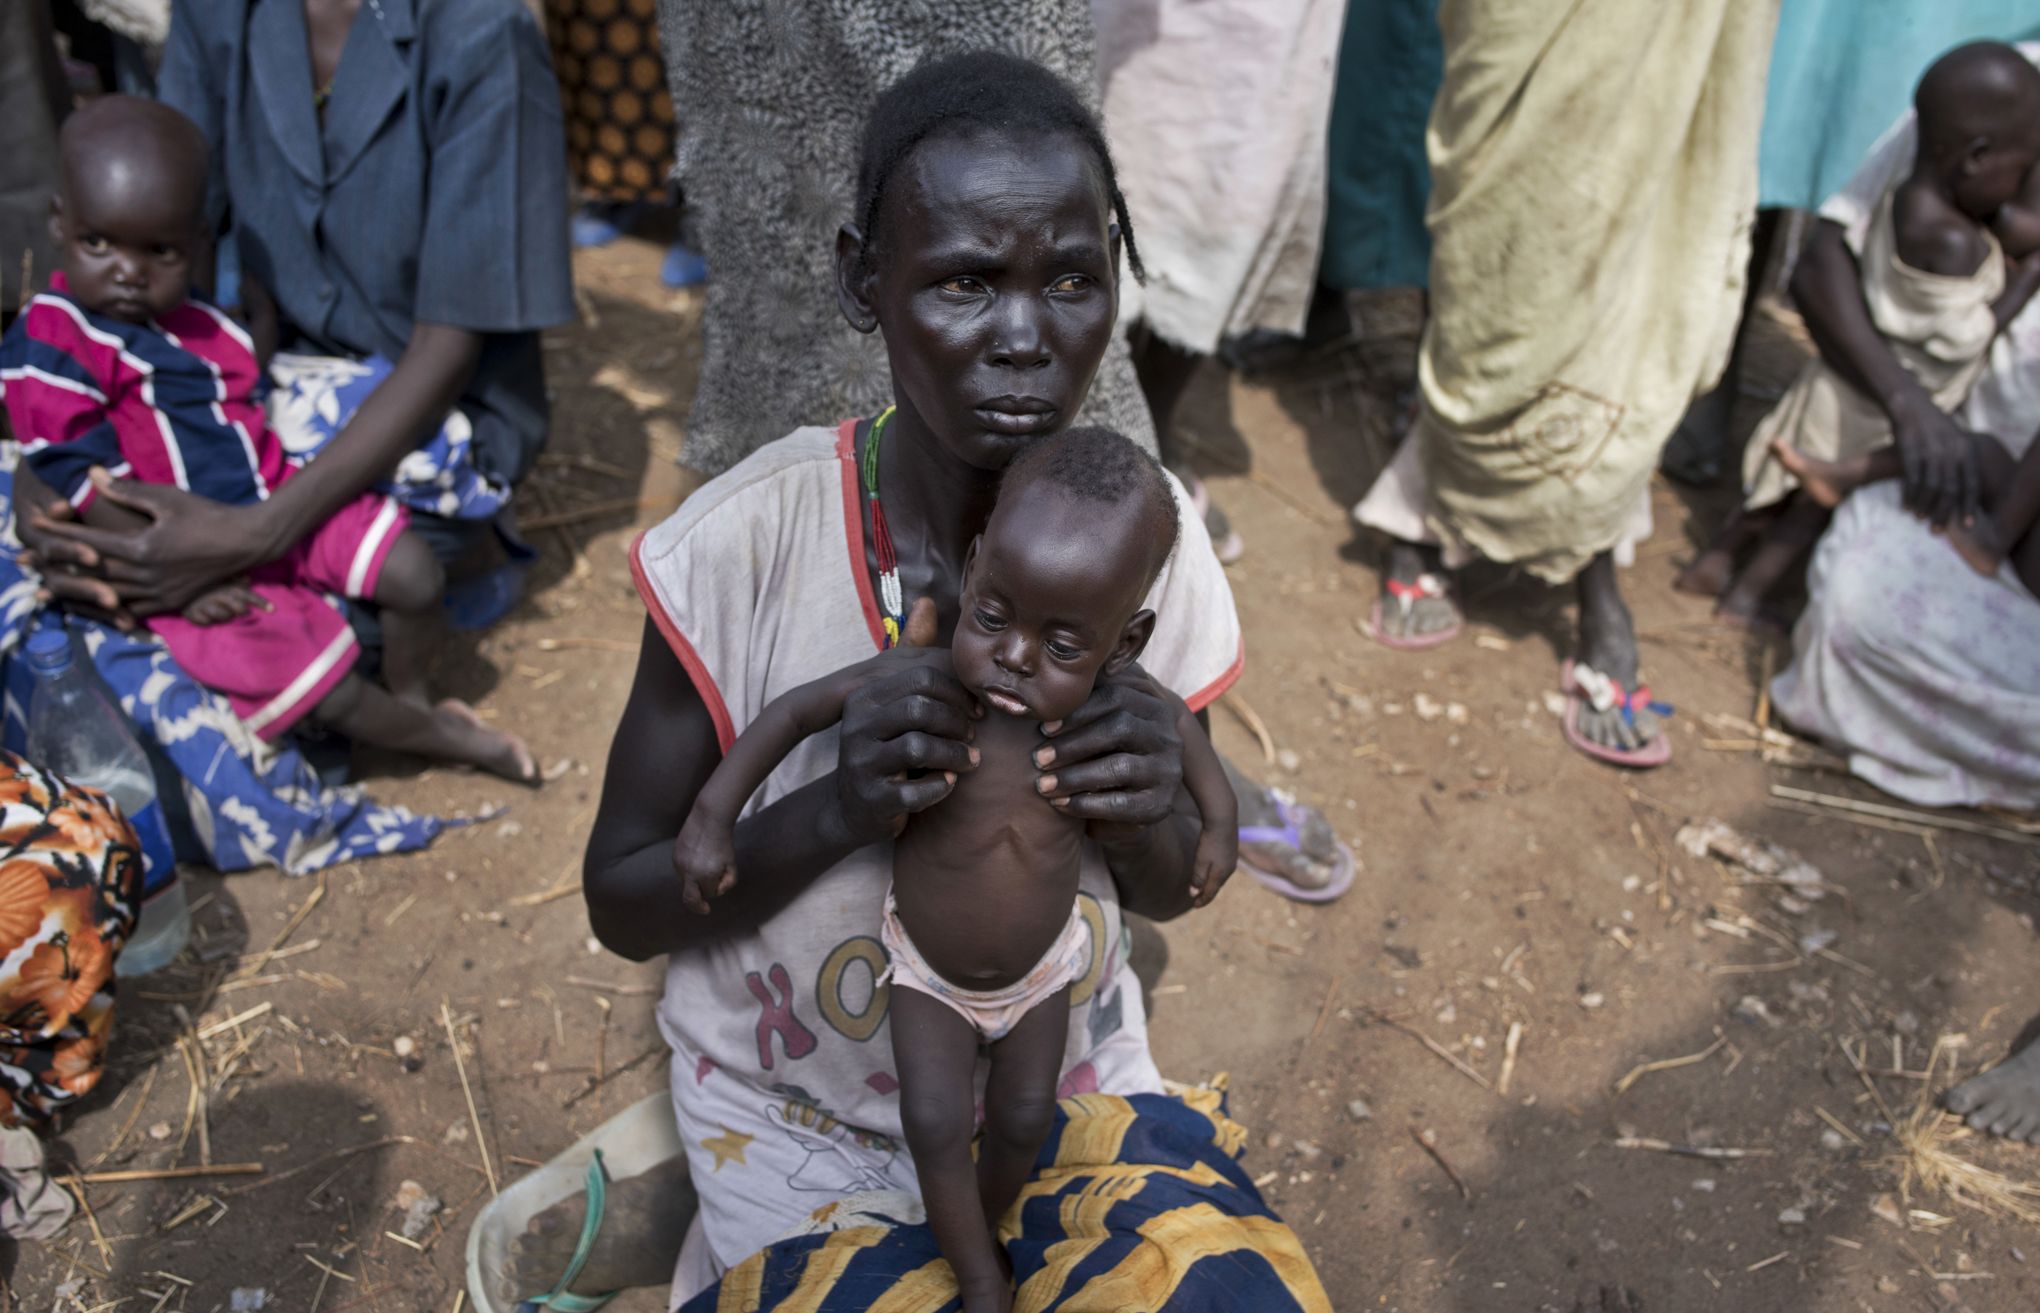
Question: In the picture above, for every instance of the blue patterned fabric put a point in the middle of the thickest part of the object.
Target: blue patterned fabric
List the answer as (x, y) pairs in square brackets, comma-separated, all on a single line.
[(251, 804), (312, 397), (1137, 1203)]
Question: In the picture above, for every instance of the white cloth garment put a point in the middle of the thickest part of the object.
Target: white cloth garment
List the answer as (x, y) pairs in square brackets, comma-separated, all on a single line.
[(1925, 673), (1217, 112)]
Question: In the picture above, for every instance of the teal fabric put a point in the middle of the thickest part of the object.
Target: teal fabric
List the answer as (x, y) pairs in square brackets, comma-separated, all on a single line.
[(1842, 71), (1391, 60)]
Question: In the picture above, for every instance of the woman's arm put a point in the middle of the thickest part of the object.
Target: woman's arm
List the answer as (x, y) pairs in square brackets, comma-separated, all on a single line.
[(191, 543), (664, 753), (404, 410), (1940, 463)]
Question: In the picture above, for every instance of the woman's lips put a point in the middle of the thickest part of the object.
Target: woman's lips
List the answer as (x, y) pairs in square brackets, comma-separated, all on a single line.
[(1000, 700), (1015, 423)]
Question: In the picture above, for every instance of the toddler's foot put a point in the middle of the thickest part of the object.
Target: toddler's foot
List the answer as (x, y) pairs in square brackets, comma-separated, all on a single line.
[(2004, 1100), (471, 740), (1828, 482), (644, 1219), (1978, 543)]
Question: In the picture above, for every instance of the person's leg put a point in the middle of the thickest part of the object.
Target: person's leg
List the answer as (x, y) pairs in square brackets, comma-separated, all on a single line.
[(644, 1220), (935, 1051), (1607, 642), (1699, 449), (408, 589), (450, 731), (1829, 482), (1787, 537), (1164, 371), (1403, 574), (1020, 1103), (1714, 569), (2004, 1100)]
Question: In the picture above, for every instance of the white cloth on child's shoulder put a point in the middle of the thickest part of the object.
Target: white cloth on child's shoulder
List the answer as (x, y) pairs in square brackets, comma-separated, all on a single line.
[(1938, 326), (782, 1072), (2005, 402), (1924, 672)]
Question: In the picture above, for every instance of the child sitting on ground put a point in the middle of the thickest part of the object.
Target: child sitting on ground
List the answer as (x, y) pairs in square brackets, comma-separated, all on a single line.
[(120, 371), (981, 923), (1938, 287)]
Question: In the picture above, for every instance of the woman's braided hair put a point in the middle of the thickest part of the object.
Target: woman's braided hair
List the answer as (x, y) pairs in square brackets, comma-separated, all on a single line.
[(984, 89)]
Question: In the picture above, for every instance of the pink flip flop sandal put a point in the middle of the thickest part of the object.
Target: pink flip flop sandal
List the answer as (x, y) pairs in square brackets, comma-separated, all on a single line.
[(1577, 695), (1428, 587), (1290, 832)]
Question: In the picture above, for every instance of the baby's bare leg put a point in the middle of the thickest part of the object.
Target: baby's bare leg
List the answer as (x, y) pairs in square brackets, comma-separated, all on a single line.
[(1020, 1103), (936, 1053), (408, 589)]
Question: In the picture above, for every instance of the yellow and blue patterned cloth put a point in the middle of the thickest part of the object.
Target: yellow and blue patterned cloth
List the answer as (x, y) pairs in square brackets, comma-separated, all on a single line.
[(1137, 1203)]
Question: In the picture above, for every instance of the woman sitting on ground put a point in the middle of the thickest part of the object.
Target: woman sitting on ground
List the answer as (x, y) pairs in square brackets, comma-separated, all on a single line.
[(391, 175), (984, 248)]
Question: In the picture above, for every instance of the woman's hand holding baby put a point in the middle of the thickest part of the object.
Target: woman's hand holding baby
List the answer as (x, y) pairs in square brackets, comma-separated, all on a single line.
[(190, 544), (1117, 761), (905, 735)]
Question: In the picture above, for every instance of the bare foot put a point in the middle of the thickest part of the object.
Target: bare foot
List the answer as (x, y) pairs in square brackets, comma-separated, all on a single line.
[(477, 743), (1828, 482), (1979, 543), (2003, 1101), (1607, 642), (1708, 575), (644, 1219)]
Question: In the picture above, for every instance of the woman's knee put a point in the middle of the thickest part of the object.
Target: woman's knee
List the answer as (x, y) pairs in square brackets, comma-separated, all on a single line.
[(412, 578)]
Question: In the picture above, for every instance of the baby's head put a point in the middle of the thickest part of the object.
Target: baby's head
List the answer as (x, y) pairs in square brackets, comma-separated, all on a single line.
[(1979, 109), (128, 216), (1053, 589)]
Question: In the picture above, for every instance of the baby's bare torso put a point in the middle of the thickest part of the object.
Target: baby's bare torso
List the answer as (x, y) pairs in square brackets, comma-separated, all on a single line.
[(985, 879)]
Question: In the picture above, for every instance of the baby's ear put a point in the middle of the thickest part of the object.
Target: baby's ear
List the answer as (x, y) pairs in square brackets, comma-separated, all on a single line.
[(1133, 640), (970, 560)]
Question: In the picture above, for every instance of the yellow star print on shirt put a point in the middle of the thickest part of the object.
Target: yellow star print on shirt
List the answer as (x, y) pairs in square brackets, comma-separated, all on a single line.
[(728, 1147)]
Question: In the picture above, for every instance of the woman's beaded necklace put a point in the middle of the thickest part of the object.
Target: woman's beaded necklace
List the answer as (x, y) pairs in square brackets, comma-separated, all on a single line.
[(890, 599)]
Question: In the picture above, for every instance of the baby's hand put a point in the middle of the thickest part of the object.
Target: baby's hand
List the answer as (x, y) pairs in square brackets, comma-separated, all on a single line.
[(229, 602), (1218, 855), (705, 856)]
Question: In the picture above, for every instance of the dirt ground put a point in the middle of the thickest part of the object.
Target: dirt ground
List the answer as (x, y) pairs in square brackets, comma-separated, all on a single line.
[(1509, 887)]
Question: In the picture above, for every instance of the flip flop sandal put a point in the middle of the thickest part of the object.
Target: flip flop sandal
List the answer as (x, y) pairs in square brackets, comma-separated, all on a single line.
[(1290, 833), (1584, 686), (633, 1141), (1428, 587)]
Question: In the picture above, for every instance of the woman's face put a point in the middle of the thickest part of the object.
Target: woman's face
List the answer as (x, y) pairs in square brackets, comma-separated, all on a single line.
[(995, 285)]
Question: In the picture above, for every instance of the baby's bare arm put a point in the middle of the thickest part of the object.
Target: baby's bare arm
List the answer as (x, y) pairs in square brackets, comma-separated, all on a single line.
[(1204, 777), (705, 852)]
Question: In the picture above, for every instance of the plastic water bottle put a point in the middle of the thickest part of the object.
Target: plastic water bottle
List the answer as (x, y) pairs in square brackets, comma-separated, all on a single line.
[(75, 732)]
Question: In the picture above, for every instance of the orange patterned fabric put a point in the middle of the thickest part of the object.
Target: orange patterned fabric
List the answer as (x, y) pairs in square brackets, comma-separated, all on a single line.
[(70, 878), (613, 89)]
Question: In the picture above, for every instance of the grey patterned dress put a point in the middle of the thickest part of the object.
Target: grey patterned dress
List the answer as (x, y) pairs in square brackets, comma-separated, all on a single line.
[(771, 97)]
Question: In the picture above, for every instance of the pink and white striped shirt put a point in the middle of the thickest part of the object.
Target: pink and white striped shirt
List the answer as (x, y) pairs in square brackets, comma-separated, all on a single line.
[(175, 401)]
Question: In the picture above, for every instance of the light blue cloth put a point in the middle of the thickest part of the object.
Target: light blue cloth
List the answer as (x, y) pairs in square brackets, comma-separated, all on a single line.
[(433, 191), (1842, 71)]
